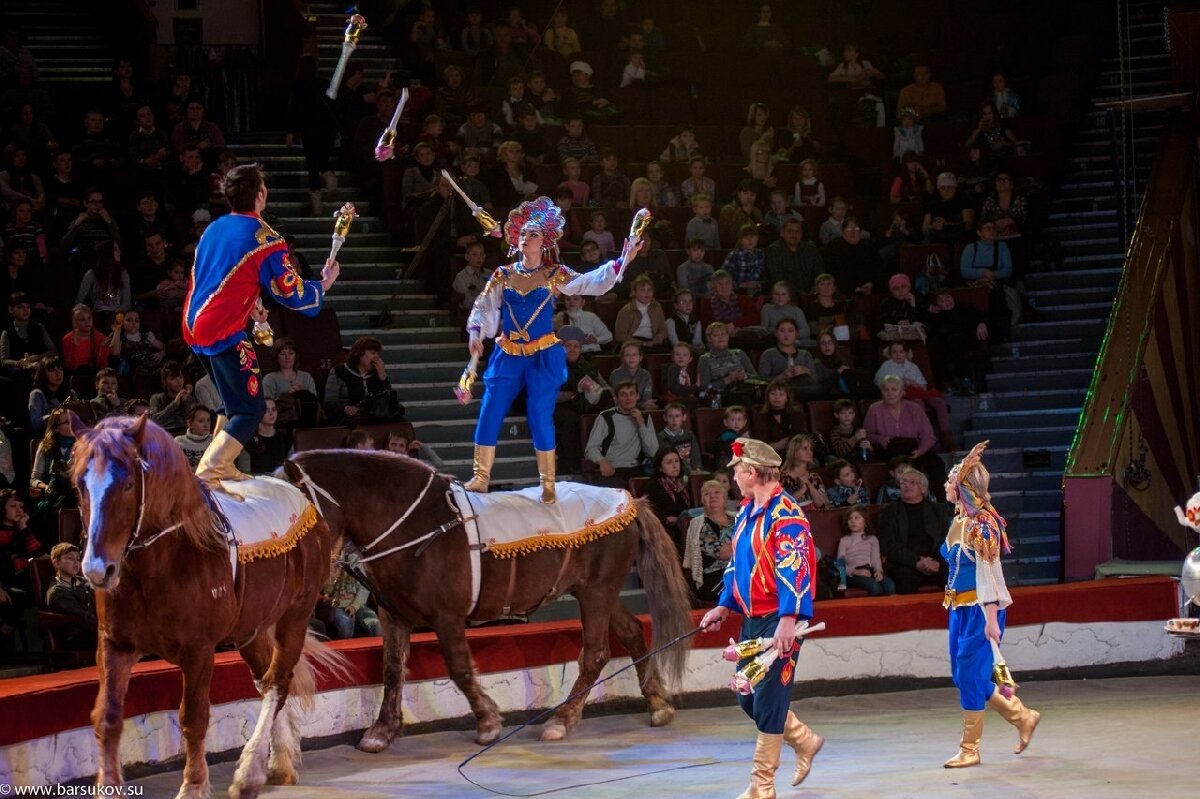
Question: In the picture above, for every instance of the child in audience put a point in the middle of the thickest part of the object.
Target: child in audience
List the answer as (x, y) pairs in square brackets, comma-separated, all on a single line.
[(580, 191), (359, 439), (665, 195), (683, 327), (723, 370), (702, 226), (398, 441), (890, 490), (599, 233), (595, 333), (642, 319), (572, 234), (590, 256), (631, 370), (737, 424), (916, 387), (780, 212), (171, 291), (748, 263), (679, 379), (72, 595), (610, 187), (682, 148), (471, 185), (858, 554), (831, 228), (696, 182), (196, 439), (907, 134), (677, 434), (106, 402), (845, 440), (471, 278), (847, 487), (172, 406), (782, 306), (778, 415), (810, 191), (693, 274)]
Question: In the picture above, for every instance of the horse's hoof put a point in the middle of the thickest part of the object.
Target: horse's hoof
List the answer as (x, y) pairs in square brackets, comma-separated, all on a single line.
[(554, 731), (283, 778), (662, 716), (486, 735), (244, 791), (194, 792), (372, 744)]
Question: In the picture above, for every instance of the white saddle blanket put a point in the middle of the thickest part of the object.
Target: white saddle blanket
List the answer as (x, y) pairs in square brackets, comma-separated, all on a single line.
[(516, 522), (272, 516)]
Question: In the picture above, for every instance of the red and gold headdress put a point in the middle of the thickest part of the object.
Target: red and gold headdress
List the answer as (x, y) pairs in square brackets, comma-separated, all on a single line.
[(541, 215), (971, 478)]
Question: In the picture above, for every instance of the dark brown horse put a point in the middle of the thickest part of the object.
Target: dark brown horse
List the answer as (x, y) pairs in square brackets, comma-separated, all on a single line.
[(364, 494), (165, 586)]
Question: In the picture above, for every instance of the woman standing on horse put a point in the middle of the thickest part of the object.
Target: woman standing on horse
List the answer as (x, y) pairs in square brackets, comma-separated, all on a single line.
[(238, 255), (517, 306)]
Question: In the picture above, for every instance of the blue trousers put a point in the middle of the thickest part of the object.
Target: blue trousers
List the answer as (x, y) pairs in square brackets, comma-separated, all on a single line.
[(971, 657), (541, 375), (772, 697), (235, 374)]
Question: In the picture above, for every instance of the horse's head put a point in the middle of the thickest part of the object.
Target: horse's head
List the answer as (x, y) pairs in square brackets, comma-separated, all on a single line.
[(109, 473)]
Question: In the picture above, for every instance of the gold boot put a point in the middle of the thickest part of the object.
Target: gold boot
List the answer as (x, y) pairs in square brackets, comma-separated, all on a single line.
[(968, 749), (766, 762), (484, 457), (1012, 710), (217, 463), (807, 743), (545, 463)]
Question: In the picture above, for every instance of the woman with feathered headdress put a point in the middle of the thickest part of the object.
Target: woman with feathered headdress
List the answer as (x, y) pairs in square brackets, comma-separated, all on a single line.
[(516, 306), (976, 597)]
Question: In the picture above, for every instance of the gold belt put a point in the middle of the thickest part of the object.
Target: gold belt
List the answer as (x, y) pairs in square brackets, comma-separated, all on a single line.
[(958, 598), (535, 346)]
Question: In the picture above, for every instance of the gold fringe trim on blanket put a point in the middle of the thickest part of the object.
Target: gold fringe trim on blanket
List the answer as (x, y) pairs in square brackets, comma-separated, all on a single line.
[(280, 544), (547, 540)]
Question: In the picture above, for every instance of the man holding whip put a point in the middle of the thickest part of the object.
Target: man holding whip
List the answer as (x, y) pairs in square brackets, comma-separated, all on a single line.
[(238, 255), (771, 581)]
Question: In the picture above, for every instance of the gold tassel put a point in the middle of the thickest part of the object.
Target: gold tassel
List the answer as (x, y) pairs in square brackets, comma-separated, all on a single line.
[(578, 538), (283, 544)]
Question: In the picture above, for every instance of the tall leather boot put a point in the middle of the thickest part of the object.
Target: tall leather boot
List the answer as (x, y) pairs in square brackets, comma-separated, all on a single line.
[(766, 762), (968, 748), (1012, 710), (217, 463), (545, 464), (807, 743), (484, 457)]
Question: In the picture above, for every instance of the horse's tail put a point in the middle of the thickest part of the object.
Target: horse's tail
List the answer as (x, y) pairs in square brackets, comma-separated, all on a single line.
[(667, 593), (316, 658)]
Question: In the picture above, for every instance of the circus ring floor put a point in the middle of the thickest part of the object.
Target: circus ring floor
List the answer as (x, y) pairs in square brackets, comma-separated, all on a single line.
[(1104, 628)]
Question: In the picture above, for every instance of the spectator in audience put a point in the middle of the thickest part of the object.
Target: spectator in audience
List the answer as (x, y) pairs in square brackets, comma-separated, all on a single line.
[(358, 439), (64, 194), (665, 195), (599, 233), (50, 391), (831, 228), (106, 403), (422, 176), (679, 377), (268, 448), (678, 436), (702, 227), (475, 38), (147, 221), (708, 543), (829, 310), (18, 545), (359, 389), (15, 274), (1010, 213), (610, 187), (530, 135), (197, 435), (291, 387), (92, 226), (908, 134), (787, 361), (798, 476), (50, 477), (958, 344), (583, 98), (747, 263), (855, 263), (693, 275), (778, 415), (758, 128), (740, 212), (910, 532), (472, 277), (137, 352), (23, 232), (171, 406), (542, 98), (684, 324), (847, 486), (584, 391), (96, 152), (196, 130), (509, 184), (72, 596), (901, 306), (342, 603), (524, 36), (896, 426), (14, 55), (471, 184), (149, 271), (479, 136), (765, 34), (682, 147), (792, 260), (149, 147), (172, 289), (580, 191), (560, 37), (83, 347), (858, 550), (641, 195), (18, 181), (398, 442), (993, 135), (696, 182), (503, 61), (453, 100), (310, 114), (736, 421), (736, 311), (890, 490), (23, 343), (1006, 102), (668, 488), (988, 263), (924, 96), (511, 105), (352, 104), (912, 183), (621, 438), (596, 335), (782, 307), (898, 363), (809, 190), (797, 143), (106, 286), (724, 370), (856, 74), (761, 168), (632, 371), (949, 217), (846, 441), (780, 213), (574, 144)]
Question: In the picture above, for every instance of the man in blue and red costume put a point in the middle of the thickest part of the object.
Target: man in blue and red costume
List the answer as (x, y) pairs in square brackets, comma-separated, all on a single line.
[(238, 256), (517, 307), (771, 581)]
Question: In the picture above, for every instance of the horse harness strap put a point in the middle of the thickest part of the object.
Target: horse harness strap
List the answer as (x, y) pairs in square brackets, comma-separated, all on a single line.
[(134, 544), (550, 595)]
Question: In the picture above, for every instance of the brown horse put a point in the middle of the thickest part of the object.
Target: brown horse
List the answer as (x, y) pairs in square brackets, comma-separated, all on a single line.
[(363, 494), (164, 584)]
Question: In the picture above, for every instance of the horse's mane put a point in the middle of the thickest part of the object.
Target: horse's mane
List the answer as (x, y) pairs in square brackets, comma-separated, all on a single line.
[(387, 467), (172, 493)]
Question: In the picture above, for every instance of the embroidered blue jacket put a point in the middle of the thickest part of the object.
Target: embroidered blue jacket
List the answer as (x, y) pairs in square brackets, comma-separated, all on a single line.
[(773, 566)]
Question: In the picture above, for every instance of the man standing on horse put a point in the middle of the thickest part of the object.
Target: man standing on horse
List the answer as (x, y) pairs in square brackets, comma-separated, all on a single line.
[(517, 307), (237, 256), (771, 581)]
